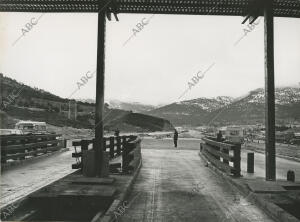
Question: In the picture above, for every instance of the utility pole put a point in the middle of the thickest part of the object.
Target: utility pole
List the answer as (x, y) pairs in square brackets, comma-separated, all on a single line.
[(269, 91), (98, 145)]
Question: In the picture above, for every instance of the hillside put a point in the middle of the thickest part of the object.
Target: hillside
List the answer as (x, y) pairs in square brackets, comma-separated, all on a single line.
[(134, 106), (227, 111), (190, 112), (22, 102), (140, 122), (250, 109)]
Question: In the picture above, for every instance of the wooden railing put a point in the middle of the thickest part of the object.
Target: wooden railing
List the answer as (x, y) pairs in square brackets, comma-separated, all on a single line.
[(131, 154), (18, 147), (222, 154), (114, 146)]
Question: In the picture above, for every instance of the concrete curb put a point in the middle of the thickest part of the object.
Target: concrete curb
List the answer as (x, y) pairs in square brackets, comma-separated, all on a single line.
[(275, 212), (11, 165), (108, 216)]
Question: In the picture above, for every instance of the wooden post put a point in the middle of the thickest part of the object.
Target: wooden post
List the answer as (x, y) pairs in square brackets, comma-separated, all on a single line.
[(118, 145), (111, 147), (99, 95), (225, 161), (269, 92)]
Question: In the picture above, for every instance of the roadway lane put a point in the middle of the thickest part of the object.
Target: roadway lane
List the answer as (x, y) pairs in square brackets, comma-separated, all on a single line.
[(18, 182), (174, 185), (282, 166)]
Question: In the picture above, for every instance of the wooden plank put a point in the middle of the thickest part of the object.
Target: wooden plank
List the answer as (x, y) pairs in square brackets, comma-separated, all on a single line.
[(31, 153), (19, 137), (228, 169), (218, 144), (27, 146), (76, 143), (211, 150), (77, 155)]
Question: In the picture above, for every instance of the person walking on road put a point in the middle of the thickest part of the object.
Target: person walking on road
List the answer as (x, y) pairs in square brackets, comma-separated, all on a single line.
[(175, 137)]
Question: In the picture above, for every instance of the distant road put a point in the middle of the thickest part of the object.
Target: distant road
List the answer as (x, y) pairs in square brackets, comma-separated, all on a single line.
[(282, 166), (281, 149)]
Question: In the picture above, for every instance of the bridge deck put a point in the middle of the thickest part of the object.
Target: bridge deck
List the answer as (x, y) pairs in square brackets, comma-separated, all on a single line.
[(174, 185), (282, 8)]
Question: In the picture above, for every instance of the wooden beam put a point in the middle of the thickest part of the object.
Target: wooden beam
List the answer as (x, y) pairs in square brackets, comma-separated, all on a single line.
[(269, 92), (98, 145)]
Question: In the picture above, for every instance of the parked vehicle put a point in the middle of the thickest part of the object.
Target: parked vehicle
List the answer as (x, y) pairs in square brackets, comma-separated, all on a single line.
[(31, 127), (233, 134)]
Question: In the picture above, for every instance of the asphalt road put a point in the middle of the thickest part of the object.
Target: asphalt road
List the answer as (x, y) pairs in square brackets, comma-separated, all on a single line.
[(175, 185), (282, 166)]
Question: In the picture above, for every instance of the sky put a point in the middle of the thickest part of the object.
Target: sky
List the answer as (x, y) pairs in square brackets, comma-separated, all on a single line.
[(152, 64)]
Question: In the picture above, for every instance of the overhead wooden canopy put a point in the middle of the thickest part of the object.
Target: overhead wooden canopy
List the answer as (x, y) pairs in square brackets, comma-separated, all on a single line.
[(282, 8)]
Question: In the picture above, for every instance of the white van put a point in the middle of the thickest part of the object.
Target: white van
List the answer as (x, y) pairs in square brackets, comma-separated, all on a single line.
[(28, 127)]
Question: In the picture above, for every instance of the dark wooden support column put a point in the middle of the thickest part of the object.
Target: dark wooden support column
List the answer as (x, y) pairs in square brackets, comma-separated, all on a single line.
[(269, 92), (98, 148)]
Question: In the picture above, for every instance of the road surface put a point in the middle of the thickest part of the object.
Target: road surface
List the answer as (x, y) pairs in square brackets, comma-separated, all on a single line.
[(171, 180), (283, 165), (29, 177), (174, 185)]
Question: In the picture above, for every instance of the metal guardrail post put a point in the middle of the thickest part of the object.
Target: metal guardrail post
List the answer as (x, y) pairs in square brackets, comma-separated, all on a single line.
[(237, 160), (250, 163)]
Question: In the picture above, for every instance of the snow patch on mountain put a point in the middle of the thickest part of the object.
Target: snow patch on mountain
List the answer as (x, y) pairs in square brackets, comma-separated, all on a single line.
[(208, 104)]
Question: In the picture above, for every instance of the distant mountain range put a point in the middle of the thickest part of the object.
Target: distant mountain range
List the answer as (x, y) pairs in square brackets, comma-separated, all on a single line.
[(227, 111), (128, 106), (222, 110), (21, 102), (133, 106)]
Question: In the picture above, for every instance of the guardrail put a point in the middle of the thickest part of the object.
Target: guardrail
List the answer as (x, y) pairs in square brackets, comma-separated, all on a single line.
[(18, 147), (114, 146), (224, 155), (131, 154)]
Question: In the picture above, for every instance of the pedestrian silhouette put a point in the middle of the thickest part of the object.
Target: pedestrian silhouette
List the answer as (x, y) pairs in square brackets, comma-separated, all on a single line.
[(175, 137), (219, 136), (117, 132)]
